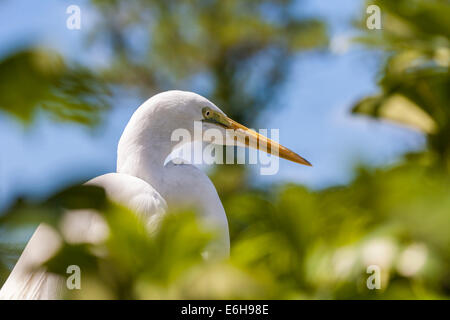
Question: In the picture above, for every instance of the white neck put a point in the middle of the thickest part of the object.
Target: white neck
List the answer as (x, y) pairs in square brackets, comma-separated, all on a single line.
[(143, 149)]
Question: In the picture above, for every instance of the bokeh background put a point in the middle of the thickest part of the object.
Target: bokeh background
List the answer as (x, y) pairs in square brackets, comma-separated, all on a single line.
[(369, 108)]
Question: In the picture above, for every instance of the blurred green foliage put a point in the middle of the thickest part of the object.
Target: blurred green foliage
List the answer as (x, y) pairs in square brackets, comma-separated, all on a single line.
[(240, 49), (287, 242), (415, 80), (34, 80)]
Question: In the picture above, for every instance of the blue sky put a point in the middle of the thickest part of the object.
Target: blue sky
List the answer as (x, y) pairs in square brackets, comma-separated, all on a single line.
[(311, 111)]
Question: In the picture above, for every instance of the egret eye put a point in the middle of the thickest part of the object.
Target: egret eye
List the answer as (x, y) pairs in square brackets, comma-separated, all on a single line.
[(207, 113)]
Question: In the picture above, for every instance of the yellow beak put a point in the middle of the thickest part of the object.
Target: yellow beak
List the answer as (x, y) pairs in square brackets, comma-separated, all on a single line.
[(265, 144)]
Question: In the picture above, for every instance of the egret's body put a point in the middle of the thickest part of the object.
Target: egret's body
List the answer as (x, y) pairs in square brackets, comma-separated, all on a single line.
[(143, 183)]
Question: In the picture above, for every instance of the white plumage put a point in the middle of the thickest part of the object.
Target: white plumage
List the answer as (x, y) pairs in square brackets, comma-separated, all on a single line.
[(143, 183)]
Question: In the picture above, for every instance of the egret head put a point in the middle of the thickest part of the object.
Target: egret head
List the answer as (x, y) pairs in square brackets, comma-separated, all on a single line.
[(180, 110), (250, 138), (192, 107)]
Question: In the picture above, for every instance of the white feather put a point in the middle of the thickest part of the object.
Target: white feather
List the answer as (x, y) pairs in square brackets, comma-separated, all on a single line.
[(143, 183)]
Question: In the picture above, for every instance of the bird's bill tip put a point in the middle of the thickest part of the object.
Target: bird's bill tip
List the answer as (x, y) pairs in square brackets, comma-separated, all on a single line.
[(268, 145), (298, 159)]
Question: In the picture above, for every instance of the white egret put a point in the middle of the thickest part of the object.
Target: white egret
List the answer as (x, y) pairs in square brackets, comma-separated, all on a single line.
[(143, 182)]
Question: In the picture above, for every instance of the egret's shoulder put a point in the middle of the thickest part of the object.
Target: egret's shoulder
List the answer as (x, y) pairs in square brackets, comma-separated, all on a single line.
[(132, 192)]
